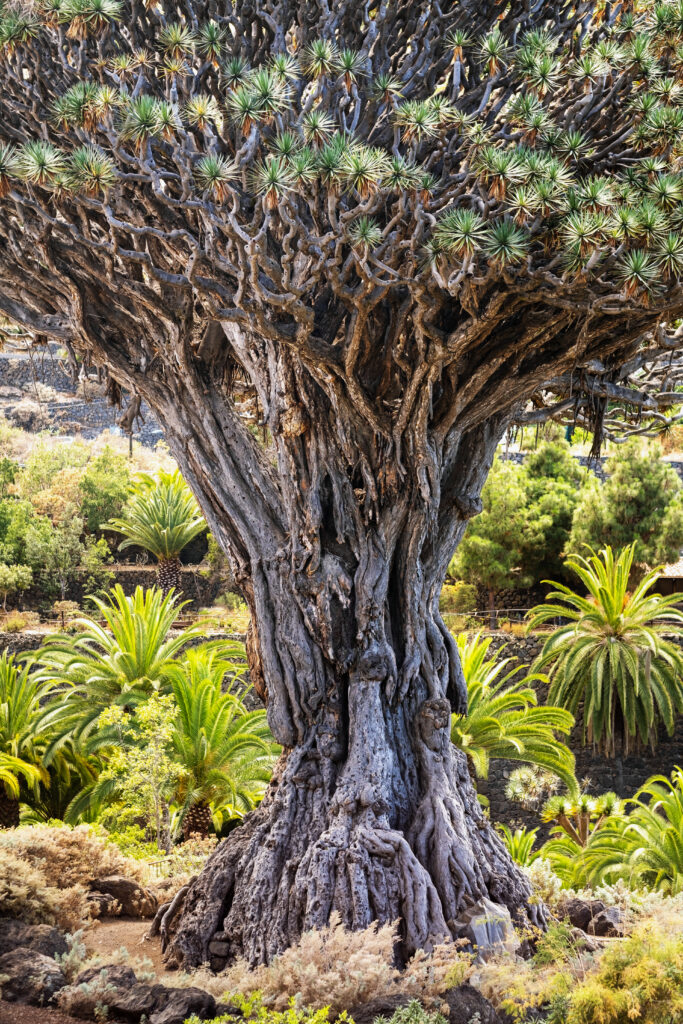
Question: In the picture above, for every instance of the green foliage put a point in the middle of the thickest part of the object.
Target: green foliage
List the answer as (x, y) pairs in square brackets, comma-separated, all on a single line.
[(522, 531), (104, 487), (13, 579), (491, 552), (226, 753), (252, 1009), (645, 849), (8, 474), (520, 843), (120, 663), (612, 656), (162, 516), (413, 1013), (21, 739), (639, 979), (577, 821), (503, 717), (139, 770), (640, 503), (16, 517), (58, 555), (458, 597)]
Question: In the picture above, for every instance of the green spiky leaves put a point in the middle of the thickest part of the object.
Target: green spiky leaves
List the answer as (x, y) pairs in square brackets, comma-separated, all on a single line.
[(91, 170), (39, 163), (214, 174), (365, 235)]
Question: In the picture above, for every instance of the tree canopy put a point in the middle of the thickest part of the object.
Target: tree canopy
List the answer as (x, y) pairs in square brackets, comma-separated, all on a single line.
[(640, 503)]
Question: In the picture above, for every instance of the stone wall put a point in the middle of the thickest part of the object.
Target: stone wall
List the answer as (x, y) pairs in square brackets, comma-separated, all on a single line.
[(79, 410), (198, 587), (622, 775)]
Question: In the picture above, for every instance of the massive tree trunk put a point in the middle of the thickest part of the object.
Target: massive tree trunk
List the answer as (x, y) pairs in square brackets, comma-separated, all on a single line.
[(371, 812)]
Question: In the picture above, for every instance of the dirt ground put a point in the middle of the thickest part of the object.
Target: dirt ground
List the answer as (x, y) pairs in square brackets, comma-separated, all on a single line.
[(104, 937), (12, 1013), (110, 934)]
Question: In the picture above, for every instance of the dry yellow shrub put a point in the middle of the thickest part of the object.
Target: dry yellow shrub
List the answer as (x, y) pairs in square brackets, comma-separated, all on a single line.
[(68, 856), (27, 895), (340, 969)]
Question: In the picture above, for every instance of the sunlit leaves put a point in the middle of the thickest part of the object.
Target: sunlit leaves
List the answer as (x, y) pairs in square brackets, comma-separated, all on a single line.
[(177, 40), (202, 111), (235, 72), (319, 58), (670, 255), (91, 170), (365, 234), (17, 29), (493, 50), (351, 66), (505, 243), (271, 179), (362, 169), (637, 271), (142, 121), (39, 163), (417, 119), (318, 127), (214, 174), (210, 42), (460, 232), (7, 159), (78, 107), (244, 108), (89, 16)]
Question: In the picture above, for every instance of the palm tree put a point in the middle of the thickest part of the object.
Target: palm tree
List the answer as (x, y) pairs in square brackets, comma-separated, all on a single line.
[(225, 751), (20, 739), (162, 517), (503, 718), (646, 847), (612, 655), (120, 663)]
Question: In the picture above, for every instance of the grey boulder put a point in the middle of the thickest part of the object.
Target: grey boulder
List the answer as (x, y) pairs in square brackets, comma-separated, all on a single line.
[(41, 938), (31, 977)]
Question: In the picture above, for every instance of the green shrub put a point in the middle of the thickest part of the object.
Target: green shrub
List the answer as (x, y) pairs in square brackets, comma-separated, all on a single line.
[(254, 1010), (458, 597), (104, 488), (639, 979)]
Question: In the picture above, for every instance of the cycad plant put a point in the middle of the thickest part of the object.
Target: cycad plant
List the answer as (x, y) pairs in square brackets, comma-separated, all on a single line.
[(20, 736), (162, 517), (645, 849), (520, 844), (225, 752), (612, 655), (120, 662), (503, 719)]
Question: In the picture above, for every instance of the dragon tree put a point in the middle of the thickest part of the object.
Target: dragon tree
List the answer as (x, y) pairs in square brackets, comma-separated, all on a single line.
[(339, 248)]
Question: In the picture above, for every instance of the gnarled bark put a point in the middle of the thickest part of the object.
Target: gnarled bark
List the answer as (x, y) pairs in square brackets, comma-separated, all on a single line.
[(371, 812)]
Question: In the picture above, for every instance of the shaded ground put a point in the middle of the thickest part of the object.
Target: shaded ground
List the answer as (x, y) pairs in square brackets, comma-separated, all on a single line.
[(110, 934), (13, 1013)]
